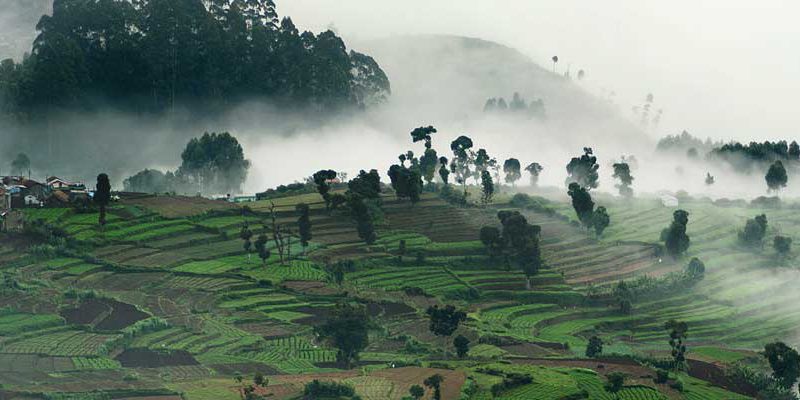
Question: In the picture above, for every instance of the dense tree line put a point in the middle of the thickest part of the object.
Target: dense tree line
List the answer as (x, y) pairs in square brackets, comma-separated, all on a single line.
[(746, 157), (149, 55)]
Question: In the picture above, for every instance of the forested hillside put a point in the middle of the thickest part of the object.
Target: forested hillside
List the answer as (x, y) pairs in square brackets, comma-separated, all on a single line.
[(151, 55)]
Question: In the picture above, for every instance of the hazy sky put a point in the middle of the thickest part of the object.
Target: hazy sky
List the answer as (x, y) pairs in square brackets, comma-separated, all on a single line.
[(723, 68)]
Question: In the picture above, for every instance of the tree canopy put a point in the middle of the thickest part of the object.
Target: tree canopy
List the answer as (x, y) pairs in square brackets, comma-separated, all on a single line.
[(149, 55), (583, 170), (216, 162), (348, 330)]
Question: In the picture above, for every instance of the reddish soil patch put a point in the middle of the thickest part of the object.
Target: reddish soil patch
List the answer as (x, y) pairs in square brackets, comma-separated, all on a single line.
[(716, 375), (244, 368), (146, 358), (87, 312), (105, 314), (528, 350), (318, 315)]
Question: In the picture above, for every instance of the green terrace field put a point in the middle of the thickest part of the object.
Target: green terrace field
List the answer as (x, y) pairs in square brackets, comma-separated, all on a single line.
[(164, 298)]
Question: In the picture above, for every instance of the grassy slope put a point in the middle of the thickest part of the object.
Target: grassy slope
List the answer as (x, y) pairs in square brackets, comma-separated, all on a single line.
[(193, 273)]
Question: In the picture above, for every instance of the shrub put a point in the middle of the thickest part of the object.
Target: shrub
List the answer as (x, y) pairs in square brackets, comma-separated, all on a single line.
[(511, 381), (662, 376), (317, 389)]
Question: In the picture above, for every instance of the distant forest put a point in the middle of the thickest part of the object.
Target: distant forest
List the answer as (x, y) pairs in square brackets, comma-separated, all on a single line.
[(744, 157), (151, 55)]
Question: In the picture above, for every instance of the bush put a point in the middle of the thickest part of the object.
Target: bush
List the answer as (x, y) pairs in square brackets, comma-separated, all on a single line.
[(317, 389), (414, 291), (511, 381), (662, 376)]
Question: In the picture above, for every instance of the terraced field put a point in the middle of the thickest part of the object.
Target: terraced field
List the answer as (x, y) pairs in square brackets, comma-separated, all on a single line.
[(191, 308)]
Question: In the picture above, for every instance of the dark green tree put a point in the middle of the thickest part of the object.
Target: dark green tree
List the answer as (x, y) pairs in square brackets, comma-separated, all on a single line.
[(623, 297), (675, 238), (677, 334), (491, 238), (216, 162), (459, 165), (434, 382), (246, 234), (512, 169), (776, 176), (347, 330), (754, 231), (535, 170), (521, 241), (595, 347), (444, 173), (582, 203), (461, 345), (487, 187), (785, 363), (615, 383), (583, 170), (423, 134), (416, 392), (600, 220), (322, 179), (622, 171), (427, 165), (782, 244), (304, 224), (261, 248), (444, 321), (696, 268), (401, 250), (102, 196)]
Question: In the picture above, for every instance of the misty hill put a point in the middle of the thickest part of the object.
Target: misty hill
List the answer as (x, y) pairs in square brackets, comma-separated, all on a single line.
[(441, 75), (149, 56)]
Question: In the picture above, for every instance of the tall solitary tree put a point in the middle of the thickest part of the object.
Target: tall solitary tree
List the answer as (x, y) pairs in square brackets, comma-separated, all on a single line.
[(583, 170), (622, 171), (555, 61), (322, 178), (534, 169), (444, 172), (261, 248), (595, 347), (675, 238), (677, 334), (582, 203), (511, 167), (461, 343), (776, 176), (348, 331), (487, 187), (304, 224), (600, 220), (246, 234), (102, 196), (521, 241), (434, 382)]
